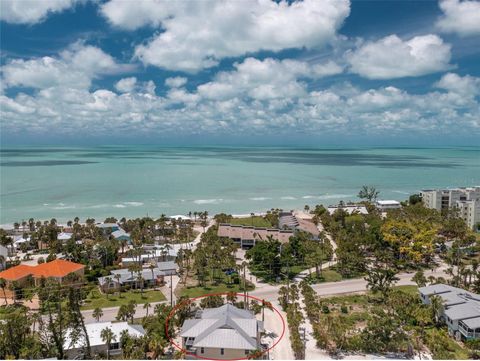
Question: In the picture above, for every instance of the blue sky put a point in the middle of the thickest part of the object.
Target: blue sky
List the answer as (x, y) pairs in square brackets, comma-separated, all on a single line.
[(252, 72)]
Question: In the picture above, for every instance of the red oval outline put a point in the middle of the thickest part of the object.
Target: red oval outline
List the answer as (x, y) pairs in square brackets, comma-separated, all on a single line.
[(190, 300)]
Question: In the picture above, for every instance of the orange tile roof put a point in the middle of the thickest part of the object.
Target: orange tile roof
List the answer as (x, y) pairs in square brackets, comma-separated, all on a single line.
[(17, 272), (55, 268)]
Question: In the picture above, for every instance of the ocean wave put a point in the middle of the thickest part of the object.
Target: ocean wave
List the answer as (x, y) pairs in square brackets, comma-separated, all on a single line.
[(288, 198), (401, 192), (133, 204), (259, 198), (208, 201), (335, 196), (120, 206)]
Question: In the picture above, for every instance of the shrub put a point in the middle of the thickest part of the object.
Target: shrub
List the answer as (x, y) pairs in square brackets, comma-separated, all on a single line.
[(344, 309), (325, 309)]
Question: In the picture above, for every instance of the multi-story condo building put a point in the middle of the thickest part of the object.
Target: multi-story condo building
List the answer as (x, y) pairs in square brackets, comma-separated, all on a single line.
[(466, 200)]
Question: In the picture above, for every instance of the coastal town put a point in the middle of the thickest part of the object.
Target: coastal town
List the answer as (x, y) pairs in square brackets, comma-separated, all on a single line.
[(355, 280)]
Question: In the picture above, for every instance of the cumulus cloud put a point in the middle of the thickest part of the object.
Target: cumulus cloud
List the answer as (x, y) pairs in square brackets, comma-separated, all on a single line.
[(175, 82), (392, 57), (340, 109), (74, 67), (126, 85), (266, 79), (189, 42), (32, 11), (461, 17), (466, 85)]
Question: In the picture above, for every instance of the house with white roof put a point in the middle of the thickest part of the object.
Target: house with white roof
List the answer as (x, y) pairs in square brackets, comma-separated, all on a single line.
[(75, 348), (64, 236), (460, 312), (226, 333), (387, 205), (349, 208)]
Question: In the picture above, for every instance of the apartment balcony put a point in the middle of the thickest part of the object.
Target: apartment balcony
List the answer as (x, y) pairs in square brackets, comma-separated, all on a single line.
[(468, 332)]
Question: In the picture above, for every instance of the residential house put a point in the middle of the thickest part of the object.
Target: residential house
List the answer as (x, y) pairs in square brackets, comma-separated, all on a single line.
[(121, 235), (3, 257), (460, 309), (127, 279), (25, 275), (74, 347), (387, 205), (246, 236), (154, 255), (226, 333), (349, 208)]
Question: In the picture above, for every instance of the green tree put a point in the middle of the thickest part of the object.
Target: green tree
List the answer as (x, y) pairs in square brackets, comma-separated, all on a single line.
[(108, 336), (97, 313), (369, 193)]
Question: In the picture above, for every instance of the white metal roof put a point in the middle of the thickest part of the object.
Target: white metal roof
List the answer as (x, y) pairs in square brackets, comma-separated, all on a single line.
[(94, 331)]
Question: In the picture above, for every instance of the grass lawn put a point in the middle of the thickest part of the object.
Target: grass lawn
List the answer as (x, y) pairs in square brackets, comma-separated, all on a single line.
[(191, 291), (97, 299), (328, 275), (256, 221)]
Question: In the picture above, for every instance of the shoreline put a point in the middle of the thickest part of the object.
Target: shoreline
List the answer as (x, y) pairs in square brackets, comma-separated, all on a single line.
[(62, 222)]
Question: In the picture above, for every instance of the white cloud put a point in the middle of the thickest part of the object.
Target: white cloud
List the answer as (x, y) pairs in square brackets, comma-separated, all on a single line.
[(190, 43), (73, 68), (176, 82), (126, 85), (391, 57), (461, 17), (32, 11), (466, 85), (265, 79)]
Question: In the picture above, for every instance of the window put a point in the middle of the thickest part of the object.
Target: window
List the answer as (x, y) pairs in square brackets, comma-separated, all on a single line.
[(202, 350), (222, 351), (114, 346), (247, 352)]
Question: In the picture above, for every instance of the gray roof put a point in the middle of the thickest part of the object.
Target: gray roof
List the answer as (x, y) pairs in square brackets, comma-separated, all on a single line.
[(459, 304), (472, 323), (120, 233), (223, 327), (126, 275)]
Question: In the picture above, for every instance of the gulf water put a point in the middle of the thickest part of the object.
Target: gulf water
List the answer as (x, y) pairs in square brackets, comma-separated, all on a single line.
[(132, 181)]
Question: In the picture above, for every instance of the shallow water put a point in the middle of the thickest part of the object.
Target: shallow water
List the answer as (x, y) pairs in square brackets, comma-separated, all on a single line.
[(46, 182)]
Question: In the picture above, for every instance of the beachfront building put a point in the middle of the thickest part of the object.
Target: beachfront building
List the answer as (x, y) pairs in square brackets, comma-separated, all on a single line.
[(24, 275), (247, 236), (75, 346), (466, 200), (287, 220), (349, 208), (387, 205), (108, 228), (226, 333), (64, 236), (125, 278), (460, 311)]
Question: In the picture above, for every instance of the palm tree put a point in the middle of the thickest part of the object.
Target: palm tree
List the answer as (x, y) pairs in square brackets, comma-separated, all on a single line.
[(146, 306), (97, 313), (117, 278), (141, 281), (252, 215), (108, 336), (3, 284), (152, 267), (436, 305), (108, 280)]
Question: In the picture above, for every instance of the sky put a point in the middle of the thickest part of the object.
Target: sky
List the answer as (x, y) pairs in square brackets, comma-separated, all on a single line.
[(247, 72)]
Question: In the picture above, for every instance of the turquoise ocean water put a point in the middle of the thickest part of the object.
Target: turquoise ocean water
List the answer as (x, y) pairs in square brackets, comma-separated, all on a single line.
[(46, 182)]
